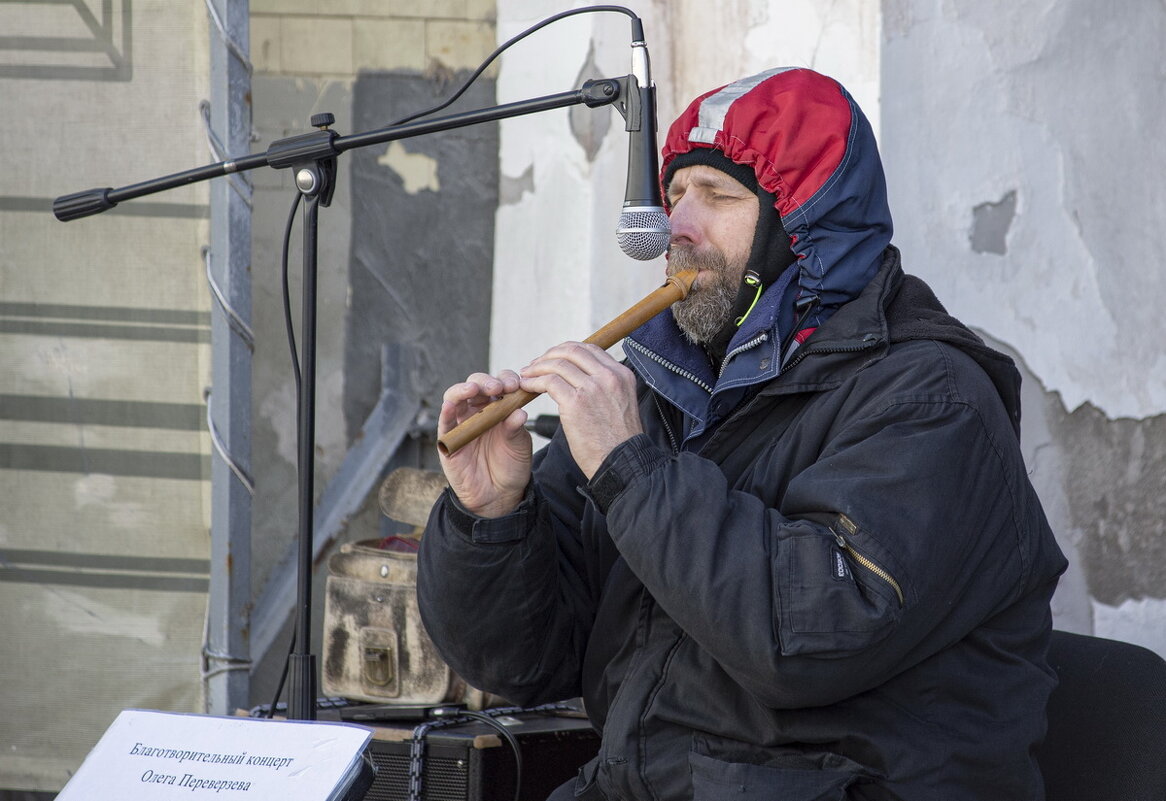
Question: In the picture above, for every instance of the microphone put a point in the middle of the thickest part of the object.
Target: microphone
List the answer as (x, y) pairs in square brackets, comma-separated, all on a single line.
[(643, 230)]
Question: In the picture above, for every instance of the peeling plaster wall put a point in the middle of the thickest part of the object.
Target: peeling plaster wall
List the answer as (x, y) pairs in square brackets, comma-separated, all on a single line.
[(420, 263), (1021, 149), (743, 37)]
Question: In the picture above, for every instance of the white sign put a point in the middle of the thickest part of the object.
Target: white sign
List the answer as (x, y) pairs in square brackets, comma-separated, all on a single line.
[(163, 755)]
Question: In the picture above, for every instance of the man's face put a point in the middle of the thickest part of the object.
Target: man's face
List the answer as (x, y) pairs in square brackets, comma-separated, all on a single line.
[(713, 219)]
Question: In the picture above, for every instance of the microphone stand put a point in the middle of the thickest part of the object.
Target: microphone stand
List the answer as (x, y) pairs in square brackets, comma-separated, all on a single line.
[(312, 156)]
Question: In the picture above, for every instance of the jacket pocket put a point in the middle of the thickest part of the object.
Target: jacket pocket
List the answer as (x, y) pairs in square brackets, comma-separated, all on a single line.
[(838, 590), (715, 780)]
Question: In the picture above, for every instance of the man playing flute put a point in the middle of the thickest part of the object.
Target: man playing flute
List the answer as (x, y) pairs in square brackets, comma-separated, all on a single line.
[(787, 550)]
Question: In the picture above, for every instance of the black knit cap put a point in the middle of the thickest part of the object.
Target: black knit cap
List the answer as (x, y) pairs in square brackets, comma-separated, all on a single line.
[(711, 157), (770, 253)]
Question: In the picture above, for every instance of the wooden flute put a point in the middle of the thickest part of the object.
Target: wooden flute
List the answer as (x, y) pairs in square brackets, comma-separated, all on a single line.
[(675, 289)]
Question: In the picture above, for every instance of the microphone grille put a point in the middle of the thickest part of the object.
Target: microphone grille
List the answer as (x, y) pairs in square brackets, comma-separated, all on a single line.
[(643, 232)]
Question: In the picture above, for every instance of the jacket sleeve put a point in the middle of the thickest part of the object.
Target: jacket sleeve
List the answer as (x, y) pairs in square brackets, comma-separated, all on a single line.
[(900, 537), (505, 599)]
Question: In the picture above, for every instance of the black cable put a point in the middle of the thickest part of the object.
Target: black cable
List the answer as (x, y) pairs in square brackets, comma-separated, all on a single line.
[(287, 314), (511, 740), (502, 47), (446, 716)]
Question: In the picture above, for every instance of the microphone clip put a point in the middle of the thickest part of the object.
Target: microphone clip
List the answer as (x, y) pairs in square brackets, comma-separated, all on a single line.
[(603, 92), (630, 103)]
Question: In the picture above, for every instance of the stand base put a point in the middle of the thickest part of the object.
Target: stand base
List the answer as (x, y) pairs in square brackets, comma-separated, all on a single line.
[(302, 687)]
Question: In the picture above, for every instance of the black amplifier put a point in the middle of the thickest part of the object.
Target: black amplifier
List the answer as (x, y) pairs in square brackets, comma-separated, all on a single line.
[(471, 761)]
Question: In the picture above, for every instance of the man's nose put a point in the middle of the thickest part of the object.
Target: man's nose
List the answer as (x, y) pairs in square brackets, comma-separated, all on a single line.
[(686, 229)]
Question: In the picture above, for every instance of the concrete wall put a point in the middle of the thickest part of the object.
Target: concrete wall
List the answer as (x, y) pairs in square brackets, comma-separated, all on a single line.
[(104, 348)]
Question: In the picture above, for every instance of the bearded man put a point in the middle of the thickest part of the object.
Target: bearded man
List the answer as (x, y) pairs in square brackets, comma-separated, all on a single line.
[(788, 550)]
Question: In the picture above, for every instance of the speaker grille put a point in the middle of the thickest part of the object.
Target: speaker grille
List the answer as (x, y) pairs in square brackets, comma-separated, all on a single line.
[(444, 780), (458, 767)]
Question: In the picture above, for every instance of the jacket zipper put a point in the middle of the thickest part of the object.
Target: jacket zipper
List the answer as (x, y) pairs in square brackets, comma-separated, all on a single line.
[(665, 423), (744, 346), (868, 342), (863, 559), (669, 365)]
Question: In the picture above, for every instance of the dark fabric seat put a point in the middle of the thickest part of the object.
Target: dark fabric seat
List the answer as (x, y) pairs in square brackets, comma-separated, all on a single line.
[(1107, 722)]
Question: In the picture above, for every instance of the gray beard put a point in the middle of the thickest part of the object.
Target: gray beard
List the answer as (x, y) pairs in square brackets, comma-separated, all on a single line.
[(707, 309)]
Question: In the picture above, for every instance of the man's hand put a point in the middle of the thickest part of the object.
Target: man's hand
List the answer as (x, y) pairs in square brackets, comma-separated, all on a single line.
[(596, 396), (489, 475)]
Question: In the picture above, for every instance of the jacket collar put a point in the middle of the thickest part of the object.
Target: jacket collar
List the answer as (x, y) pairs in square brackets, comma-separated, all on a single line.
[(680, 371), (893, 308)]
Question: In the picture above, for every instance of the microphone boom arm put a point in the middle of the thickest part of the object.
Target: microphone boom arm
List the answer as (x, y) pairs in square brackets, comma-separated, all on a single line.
[(325, 144)]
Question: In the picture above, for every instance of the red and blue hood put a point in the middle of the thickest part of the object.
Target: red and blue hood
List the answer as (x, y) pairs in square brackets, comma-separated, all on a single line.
[(810, 146)]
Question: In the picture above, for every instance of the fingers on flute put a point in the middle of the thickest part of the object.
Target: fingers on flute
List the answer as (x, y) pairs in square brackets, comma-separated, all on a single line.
[(515, 422), (573, 364), (578, 354), (462, 401), (481, 388), (453, 414)]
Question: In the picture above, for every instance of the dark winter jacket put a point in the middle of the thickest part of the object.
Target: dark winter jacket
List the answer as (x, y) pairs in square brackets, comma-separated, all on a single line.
[(827, 579)]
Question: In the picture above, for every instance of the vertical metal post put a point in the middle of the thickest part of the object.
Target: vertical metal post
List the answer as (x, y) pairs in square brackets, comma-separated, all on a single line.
[(227, 647), (302, 673)]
